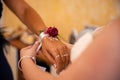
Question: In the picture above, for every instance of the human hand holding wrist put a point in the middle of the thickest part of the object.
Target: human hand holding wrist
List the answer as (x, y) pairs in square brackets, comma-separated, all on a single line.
[(28, 53), (30, 50), (55, 51), (51, 32)]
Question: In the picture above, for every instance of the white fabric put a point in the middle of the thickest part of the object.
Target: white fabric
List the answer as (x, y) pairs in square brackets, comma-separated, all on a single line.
[(42, 35), (80, 45)]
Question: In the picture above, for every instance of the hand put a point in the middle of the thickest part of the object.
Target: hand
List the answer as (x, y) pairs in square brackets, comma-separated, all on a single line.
[(56, 52), (30, 50)]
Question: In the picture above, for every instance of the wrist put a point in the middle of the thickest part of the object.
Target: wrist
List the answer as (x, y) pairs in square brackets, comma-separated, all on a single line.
[(25, 58), (23, 54)]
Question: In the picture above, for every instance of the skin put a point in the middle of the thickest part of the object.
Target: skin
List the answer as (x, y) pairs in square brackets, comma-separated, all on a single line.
[(50, 49), (100, 61)]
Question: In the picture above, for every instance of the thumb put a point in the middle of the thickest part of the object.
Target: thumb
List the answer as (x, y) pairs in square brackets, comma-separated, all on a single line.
[(36, 45)]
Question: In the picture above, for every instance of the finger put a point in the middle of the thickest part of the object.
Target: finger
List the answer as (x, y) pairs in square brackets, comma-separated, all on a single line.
[(28, 47), (67, 56), (59, 63), (57, 58), (48, 56), (35, 45), (41, 56), (62, 52)]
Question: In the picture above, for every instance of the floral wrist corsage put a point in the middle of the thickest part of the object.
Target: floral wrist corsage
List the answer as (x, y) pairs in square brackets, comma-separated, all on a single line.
[(51, 31)]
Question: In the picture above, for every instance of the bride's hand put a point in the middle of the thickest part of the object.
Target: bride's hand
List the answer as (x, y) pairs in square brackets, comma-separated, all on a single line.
[(30, 50), (56, 52)]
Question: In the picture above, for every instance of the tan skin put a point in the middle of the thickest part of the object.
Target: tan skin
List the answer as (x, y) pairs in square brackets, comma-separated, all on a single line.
[(100, 61), (34, 22)]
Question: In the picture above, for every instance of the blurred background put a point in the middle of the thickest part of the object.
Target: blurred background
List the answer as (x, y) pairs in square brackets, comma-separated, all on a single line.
[(71, 17)]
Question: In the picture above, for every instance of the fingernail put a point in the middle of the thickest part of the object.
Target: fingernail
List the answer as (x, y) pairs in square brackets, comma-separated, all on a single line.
[(37, 42)]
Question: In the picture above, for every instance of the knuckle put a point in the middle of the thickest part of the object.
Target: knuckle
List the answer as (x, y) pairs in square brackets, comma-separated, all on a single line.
[(62, 47)]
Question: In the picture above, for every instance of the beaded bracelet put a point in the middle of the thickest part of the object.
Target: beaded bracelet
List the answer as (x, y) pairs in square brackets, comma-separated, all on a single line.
[(19, 62)]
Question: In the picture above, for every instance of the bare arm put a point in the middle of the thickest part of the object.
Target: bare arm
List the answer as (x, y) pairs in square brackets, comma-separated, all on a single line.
[(26, 14), (100, 61), (34, 22)]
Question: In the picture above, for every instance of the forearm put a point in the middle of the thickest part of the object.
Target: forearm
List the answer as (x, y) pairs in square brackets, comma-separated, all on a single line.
[(33, 20), (32, 72), (26, 14)]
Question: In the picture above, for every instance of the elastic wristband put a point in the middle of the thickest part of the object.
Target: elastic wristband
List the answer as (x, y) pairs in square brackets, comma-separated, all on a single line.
[(42, 35), (19, 62)]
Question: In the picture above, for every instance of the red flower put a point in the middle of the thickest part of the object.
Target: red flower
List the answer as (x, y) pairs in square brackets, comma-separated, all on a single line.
[(52, 31)]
